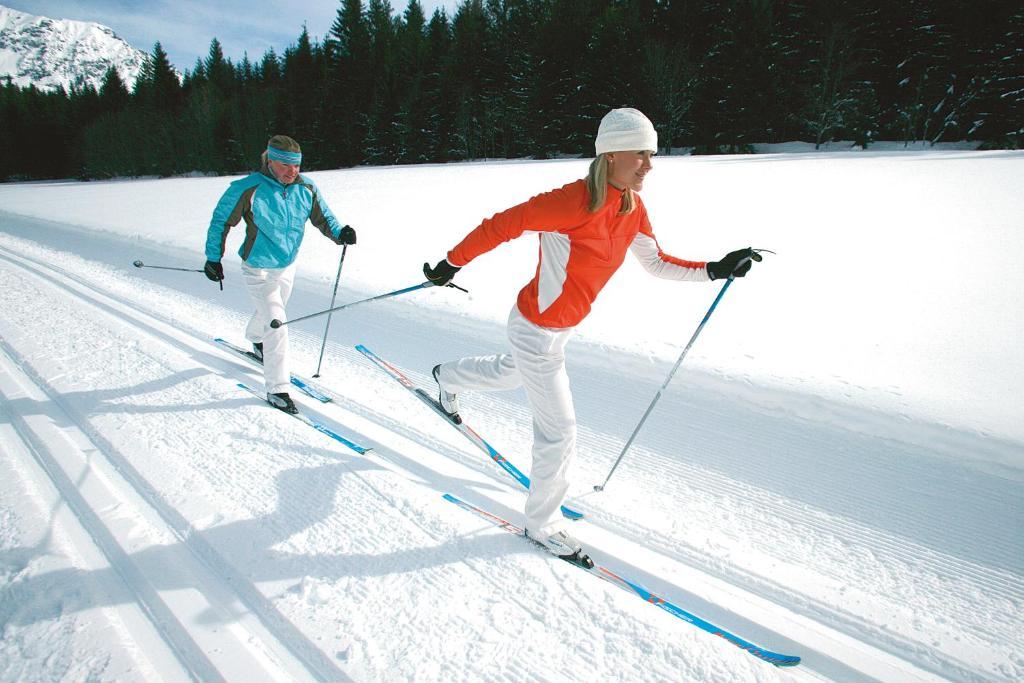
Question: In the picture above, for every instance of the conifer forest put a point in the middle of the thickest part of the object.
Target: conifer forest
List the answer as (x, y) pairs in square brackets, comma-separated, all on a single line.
[(532, 78)]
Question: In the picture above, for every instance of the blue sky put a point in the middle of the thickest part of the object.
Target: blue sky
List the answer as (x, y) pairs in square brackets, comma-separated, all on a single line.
[(185, 27)]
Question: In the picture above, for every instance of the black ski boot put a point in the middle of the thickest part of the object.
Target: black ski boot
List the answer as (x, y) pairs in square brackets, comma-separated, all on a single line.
[(283, 402), (257, 351)]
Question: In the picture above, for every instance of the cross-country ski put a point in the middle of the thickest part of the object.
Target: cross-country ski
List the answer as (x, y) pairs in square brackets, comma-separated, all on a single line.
[(306, 386), (626, 584), (318, 426), (461, 427)]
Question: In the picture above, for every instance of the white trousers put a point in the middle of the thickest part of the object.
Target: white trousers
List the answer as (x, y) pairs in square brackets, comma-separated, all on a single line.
[(270, 289), (537, 363)]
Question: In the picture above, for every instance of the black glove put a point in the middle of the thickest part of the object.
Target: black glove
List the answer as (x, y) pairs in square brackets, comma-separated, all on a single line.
[(347, 235), (441, 274), (214, 270), (735, 263)]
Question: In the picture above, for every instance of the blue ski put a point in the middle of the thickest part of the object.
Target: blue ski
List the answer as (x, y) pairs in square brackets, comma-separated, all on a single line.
[(638, 590), (463, 428), (315, 425), (305, 386)]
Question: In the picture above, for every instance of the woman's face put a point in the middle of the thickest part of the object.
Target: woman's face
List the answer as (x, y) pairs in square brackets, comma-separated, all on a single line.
[(285, 173), (627, 169)]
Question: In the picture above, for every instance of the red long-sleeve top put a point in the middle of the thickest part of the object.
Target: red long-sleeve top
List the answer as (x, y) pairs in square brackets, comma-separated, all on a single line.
[(579, 250)]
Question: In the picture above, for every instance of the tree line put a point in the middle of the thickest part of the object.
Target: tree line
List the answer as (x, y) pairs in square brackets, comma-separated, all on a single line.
[(532, 78)]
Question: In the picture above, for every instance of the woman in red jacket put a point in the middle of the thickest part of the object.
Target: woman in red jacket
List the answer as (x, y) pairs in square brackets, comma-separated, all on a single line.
[(585, 229)]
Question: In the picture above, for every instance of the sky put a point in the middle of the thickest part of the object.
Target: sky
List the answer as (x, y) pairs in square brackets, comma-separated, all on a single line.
[(186, 27)]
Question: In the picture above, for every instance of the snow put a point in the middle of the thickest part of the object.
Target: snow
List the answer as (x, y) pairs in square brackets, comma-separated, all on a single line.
[(62, 53), (835, 472)]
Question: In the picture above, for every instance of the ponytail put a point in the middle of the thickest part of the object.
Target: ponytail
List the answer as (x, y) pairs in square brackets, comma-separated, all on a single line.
[(597, 187)]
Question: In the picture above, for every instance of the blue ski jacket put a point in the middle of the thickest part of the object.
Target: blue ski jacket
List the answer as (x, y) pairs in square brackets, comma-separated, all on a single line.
[(275, 218)]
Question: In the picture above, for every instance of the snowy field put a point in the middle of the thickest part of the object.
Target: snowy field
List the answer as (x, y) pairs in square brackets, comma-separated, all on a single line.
[(836, 472)]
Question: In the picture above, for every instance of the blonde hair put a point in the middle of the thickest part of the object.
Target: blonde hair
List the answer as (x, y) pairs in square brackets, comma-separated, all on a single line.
[(597, 186), (280, 142)]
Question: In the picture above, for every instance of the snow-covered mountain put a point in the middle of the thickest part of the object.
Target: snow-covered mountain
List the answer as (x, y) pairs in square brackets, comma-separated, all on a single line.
[(52, 53)]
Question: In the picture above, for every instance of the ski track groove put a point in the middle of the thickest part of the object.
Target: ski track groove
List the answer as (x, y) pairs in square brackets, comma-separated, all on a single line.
[(165, 623), (189, 536), (238, 473), (796, 515), (288, 638), (802, 515), (939, 563), (168, 626)]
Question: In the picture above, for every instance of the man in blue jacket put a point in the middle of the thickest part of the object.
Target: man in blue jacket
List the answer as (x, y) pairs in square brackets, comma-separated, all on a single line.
[(275, 204)]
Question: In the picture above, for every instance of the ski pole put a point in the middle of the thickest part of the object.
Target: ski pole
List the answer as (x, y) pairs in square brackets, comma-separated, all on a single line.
[(337, 279), (275, 323), (140, 264), (756, 256)]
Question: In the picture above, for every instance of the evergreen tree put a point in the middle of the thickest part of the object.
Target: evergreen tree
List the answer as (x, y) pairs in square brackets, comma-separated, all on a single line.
[(469, 57), (821, 50), (114, 95), (670, 84), (568, 73), (998, 49), (512, 31), (219, 71), (437, 102), (301, 85), (739, 85), (157, 87), (411, 65), (347, 56), (380, 110), (11, 125)]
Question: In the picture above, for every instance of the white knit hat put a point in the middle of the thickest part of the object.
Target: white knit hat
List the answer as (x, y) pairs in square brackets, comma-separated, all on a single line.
[(626, 130)]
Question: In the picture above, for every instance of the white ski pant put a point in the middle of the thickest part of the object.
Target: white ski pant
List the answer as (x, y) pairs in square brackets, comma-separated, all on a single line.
[(537, 363), (270, 289)]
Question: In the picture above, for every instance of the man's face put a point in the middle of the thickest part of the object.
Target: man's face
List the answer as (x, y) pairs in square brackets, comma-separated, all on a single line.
[(285, 173)]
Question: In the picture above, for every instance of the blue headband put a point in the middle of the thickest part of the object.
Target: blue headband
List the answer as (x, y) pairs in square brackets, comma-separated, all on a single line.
[(284, 157)]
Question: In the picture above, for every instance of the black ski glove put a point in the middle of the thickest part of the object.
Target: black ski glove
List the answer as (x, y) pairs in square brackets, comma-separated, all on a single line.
[(441, 274), (735, 263), (214, 270), (347, 235)]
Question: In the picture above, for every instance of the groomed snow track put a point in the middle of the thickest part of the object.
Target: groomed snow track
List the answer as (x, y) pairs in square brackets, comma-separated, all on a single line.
[(227, 628)]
